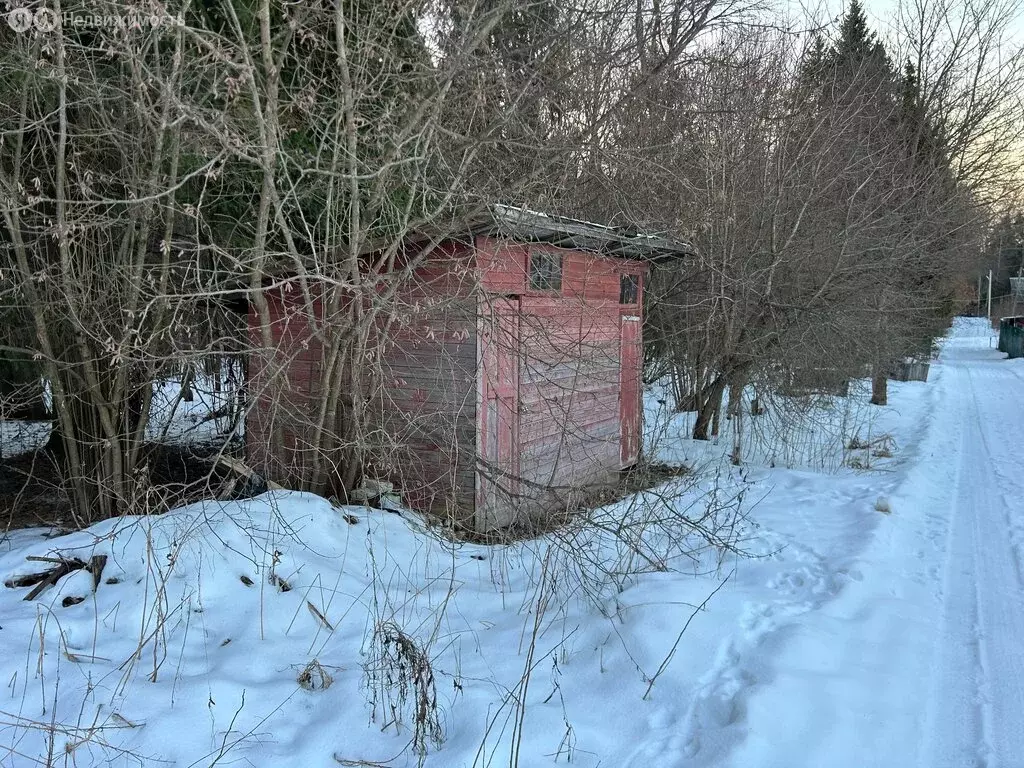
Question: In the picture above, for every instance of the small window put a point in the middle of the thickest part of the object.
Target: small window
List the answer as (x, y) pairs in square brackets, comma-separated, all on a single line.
[(629, 289), (545, 271)]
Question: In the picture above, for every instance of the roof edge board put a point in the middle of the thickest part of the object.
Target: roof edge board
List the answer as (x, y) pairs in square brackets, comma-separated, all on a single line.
[(524, 224)]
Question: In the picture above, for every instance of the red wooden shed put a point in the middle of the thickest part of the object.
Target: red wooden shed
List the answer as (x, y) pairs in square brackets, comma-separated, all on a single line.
[(511, 383)]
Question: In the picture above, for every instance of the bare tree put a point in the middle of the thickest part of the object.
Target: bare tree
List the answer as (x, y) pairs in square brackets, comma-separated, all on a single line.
[(280, 154)]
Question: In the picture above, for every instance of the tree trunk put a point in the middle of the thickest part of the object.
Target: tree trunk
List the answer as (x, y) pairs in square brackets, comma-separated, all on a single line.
[(99, 469), (187, 378), (879, 387), (684, 392), (55, 443), (736, 418), (708, 405), (735, 398), (678, 389)]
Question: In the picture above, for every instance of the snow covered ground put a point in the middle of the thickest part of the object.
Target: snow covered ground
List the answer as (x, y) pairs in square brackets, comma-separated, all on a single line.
[(173, 420), (177, 421), (877, 621), (17, 436)]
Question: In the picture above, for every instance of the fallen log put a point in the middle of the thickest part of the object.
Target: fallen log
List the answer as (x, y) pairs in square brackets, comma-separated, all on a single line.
[(243, 469), (63, 566)]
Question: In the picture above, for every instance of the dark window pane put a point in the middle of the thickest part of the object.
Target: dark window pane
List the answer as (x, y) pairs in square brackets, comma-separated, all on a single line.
[(545, 271), (629, 289)]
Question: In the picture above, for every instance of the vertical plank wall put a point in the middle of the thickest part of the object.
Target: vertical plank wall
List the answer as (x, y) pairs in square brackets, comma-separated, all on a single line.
[(495, 403), (570, 408), (282, 385), (428, 398)]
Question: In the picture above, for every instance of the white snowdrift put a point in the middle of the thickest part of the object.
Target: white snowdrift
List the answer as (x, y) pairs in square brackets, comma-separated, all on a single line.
[(205, 617)]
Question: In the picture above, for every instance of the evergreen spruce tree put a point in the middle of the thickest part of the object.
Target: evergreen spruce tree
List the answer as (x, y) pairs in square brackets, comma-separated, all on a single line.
[(856, 42), (881, 108)]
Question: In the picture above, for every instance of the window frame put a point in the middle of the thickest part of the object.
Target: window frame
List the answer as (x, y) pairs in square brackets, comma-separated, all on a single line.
[(556, 271), (632, 279)]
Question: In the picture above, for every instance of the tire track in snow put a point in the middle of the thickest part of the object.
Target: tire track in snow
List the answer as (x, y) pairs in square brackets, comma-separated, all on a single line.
[(953, 553), (978, 678), (954, 692), (1001, 603), (997, 459), (1014, 524)]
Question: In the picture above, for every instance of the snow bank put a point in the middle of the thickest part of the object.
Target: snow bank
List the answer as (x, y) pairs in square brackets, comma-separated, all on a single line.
[(206, 617)]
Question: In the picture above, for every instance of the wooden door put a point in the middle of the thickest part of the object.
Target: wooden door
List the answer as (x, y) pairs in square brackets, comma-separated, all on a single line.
[(498, 486), (630, 369)]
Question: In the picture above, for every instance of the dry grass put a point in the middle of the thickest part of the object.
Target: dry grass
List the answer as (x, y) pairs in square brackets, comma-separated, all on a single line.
[(314, 677), (401, 681)]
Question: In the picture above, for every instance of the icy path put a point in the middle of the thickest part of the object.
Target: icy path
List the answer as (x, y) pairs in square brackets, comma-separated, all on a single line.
[(921, 662)]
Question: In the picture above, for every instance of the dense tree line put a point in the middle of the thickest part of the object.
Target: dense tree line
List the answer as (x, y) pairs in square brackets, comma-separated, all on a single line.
[(833, 226)]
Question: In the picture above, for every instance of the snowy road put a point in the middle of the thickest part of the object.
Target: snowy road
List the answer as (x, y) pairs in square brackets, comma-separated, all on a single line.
[(922, 661), (977, 715)]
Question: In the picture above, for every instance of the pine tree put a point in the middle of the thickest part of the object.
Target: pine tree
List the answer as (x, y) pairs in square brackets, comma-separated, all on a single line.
[(856, 42), (389, 69), (858, 58), (814, 59), (924, 140), (883, 115), (853, 69)]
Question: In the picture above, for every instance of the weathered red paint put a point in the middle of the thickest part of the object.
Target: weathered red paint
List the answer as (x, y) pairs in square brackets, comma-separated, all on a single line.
[(498, 407), (629, 389), (502, 400)]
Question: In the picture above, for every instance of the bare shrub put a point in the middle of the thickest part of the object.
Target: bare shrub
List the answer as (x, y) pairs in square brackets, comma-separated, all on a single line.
[(400, 679), (690, 523)]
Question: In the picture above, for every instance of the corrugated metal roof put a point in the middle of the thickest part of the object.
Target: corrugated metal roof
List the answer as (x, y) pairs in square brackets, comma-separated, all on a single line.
[(524, 225)]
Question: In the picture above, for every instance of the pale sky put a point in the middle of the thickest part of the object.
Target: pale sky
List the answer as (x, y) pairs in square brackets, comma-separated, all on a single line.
[(883, 16), (883, 12)]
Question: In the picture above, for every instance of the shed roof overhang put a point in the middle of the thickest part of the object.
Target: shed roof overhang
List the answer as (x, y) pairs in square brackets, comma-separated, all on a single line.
[(523, 224)]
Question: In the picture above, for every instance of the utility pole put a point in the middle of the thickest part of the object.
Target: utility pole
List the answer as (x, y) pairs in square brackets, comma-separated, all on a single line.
[(990, 297)]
